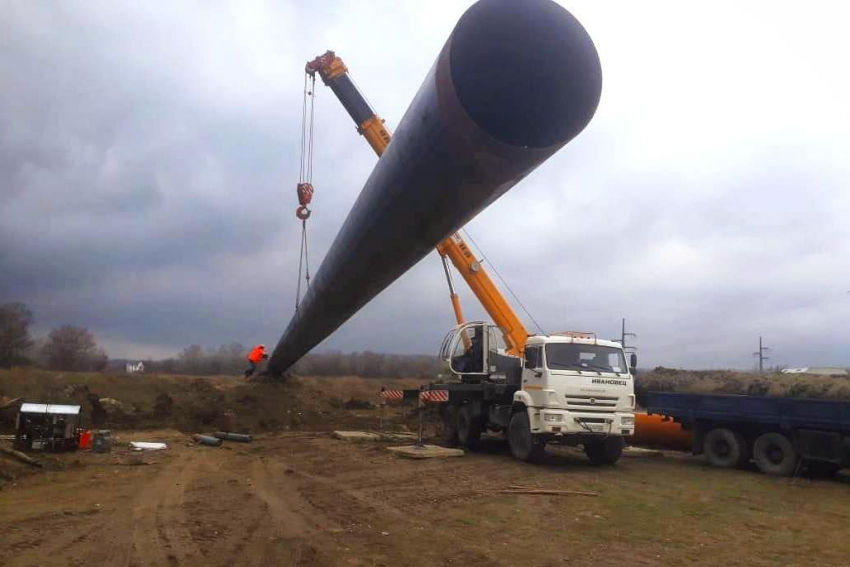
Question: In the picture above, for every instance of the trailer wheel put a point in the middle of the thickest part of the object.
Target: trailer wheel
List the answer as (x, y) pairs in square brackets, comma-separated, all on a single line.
[(775, 455), (525, 446), (726, 448), (468, 427), (449, 436), (605, 452)]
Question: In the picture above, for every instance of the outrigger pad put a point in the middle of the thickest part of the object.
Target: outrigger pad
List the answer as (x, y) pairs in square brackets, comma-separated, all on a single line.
[(426, 452)]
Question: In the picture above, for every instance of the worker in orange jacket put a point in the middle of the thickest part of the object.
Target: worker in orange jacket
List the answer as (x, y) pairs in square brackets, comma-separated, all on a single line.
[(257, 354)]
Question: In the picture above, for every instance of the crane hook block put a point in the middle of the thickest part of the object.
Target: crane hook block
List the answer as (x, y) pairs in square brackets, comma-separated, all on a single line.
[(302, 212), (305, 194)]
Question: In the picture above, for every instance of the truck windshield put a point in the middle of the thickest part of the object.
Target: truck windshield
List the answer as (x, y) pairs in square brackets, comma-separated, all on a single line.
[(576, 356)]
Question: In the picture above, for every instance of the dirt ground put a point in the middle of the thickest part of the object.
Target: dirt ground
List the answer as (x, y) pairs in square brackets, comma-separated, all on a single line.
[(303, 498), (295, 496)]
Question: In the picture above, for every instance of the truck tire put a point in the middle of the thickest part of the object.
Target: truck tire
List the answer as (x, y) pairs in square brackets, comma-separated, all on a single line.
[(726, 448), (525, 446), (775, 455), (468, 427), (449, 436), (605, 452)]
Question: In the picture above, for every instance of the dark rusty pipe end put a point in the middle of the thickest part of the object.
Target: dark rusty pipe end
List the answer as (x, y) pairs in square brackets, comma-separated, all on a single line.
[(525, 71)]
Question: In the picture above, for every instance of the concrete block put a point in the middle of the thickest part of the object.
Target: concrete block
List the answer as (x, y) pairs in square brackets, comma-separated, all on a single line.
[(356, 436), (373, 436), (425, 452)]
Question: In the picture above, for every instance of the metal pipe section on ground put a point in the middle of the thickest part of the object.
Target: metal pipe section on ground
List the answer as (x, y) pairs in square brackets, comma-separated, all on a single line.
[(207, 440), (657, 432), (516, 80), (238, 437)]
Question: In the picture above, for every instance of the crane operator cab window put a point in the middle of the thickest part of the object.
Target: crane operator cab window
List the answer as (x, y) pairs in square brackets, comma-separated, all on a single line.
[(469, 350)]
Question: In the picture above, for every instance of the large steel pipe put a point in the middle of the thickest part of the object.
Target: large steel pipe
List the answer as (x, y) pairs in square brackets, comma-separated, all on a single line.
[(516, 80)]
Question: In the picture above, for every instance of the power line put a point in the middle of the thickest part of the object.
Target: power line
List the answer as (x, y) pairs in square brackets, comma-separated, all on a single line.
[(761, 356), (624, 334)]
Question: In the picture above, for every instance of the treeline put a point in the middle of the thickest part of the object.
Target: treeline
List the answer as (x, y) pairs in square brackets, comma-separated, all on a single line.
[(65, 348), (230, 360), (369, 365), (73, 348), (195, 360)]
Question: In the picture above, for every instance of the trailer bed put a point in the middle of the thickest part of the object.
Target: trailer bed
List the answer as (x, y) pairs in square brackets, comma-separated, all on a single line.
[(788, 413)]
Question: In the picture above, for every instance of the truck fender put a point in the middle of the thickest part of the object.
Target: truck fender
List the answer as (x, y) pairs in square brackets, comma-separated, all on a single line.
[(523, 402), (522, 398)]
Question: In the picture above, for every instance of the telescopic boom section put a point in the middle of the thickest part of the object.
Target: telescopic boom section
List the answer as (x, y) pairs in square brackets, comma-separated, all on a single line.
[(334, 74)]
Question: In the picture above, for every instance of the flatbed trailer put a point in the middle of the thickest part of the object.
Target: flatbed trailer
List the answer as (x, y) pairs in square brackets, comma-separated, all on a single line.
[(781, 435)]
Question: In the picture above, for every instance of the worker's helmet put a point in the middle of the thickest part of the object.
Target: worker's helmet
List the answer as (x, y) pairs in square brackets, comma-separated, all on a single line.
[(262, 346)]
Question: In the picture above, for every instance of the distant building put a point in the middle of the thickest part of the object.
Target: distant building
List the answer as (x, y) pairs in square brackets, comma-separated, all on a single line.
[(133, 368), (819, 370)]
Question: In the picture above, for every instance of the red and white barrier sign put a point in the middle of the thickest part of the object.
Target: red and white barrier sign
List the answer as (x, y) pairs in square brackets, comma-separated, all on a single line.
[(435, 396), (432, 396), (392, 394)]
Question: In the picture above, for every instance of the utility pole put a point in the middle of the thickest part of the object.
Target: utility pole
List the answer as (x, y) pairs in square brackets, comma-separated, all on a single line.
[(761, 356), (625, 334)]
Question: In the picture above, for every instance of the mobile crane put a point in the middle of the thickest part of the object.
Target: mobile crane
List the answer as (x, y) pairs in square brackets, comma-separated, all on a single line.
[(568, 388)]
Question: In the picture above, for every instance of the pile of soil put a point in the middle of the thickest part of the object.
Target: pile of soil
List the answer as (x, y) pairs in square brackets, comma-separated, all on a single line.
[(190, 404), (745, 383)]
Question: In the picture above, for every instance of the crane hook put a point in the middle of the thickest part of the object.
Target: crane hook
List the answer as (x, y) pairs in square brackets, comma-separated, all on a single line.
[(305, 197)]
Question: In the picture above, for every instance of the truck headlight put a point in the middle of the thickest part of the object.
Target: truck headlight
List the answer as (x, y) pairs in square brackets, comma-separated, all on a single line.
[(552, 417), (627, 420)]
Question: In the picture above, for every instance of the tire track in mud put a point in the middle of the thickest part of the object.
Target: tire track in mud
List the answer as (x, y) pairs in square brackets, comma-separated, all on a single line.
[(286, 527), (68, 530), (382, 499), (223, 511), (157, 522)]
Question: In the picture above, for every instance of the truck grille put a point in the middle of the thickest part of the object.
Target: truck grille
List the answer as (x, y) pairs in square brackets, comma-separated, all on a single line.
[(591, 402)]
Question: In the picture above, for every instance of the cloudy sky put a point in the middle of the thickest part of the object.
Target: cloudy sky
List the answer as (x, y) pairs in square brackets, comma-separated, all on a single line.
[(149, 153)]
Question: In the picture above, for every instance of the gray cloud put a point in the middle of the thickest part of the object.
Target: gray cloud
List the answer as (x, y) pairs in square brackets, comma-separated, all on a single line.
[(148, 158)]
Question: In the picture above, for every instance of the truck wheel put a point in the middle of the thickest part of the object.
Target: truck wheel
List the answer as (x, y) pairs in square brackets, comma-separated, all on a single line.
[(605, 452), (449, 436), (726, 448), (775, 455), (468, 427), (525, 446)]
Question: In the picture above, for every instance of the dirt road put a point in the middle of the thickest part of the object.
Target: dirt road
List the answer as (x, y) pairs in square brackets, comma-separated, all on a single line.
[(306, 499)]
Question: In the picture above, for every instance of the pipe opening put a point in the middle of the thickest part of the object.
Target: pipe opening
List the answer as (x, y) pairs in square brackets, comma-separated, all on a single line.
[(525, 71)]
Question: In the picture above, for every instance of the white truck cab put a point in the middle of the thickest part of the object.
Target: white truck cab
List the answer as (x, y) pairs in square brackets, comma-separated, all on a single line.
[(576, 383), (568, 388)]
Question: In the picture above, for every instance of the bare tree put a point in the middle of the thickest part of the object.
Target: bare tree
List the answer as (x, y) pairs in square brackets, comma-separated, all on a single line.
[(15, 320), (190, 359), (73, 348)]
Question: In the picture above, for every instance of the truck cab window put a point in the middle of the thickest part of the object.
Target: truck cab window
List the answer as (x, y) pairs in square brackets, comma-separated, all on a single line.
[(532, 357)]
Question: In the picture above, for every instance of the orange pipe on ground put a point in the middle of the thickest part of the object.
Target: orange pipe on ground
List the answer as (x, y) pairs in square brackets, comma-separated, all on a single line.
[(654, 431)]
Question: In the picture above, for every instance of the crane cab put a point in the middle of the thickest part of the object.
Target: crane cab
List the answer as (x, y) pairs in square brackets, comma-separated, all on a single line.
[(476, 352)]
